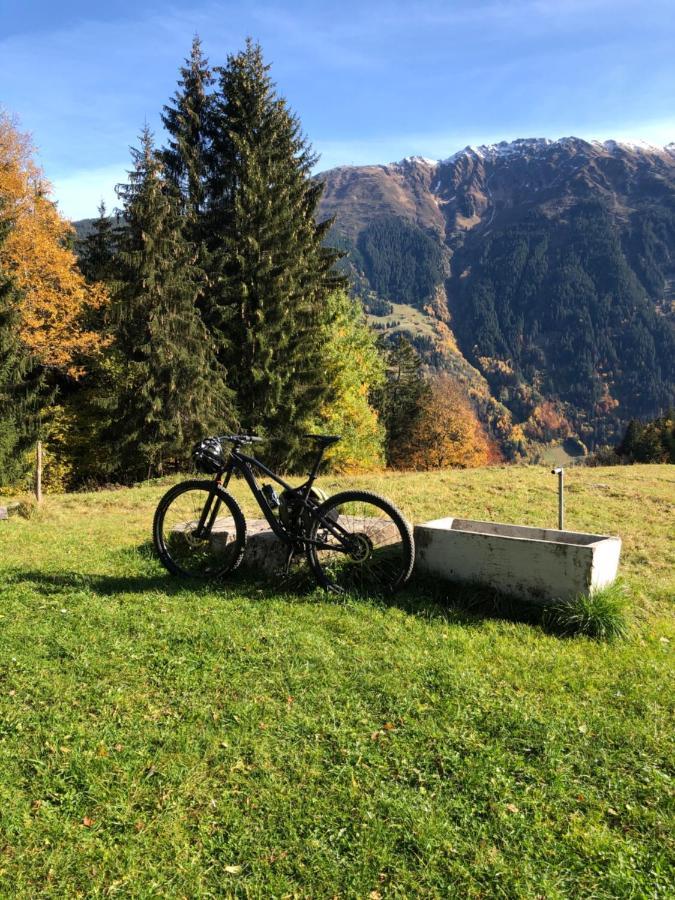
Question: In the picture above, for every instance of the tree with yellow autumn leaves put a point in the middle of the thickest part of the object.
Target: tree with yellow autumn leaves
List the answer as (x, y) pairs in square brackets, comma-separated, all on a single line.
[(446, 431), (55, 301), (357, 374), (46, 339)]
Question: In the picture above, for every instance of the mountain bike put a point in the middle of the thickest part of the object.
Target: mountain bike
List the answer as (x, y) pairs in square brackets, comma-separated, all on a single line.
[(354, 541)]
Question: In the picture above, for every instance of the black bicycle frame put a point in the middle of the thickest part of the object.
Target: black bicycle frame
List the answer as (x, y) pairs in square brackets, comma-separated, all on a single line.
[(245, 465)]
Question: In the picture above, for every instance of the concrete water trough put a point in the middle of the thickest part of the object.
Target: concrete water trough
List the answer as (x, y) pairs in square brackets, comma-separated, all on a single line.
[(538, 564)]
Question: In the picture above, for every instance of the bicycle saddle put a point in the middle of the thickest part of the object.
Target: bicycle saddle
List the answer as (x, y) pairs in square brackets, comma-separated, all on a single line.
[(324, 440), (240, 438)]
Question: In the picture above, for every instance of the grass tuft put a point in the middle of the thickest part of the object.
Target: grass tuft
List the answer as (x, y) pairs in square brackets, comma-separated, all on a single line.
[(601, 615), (28, 508)]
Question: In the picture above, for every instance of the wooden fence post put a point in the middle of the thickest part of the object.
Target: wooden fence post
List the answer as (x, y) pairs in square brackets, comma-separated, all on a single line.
[(38, 472)]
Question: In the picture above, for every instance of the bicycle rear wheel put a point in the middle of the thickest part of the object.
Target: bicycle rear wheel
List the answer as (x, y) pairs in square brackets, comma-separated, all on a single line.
[(362, 544), (199, 531)]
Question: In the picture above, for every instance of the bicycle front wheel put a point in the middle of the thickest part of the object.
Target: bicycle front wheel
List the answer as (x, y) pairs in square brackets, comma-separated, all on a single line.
[(360, 543), (199, 531)]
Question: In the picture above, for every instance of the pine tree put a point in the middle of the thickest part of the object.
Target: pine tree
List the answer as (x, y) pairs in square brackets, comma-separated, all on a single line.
[(631, 439), (269, 273), (402, 397), (19, 382), (185, 121), (173, 390), (96, 252)]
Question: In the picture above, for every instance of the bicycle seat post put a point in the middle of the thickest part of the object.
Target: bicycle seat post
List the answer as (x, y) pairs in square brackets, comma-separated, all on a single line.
[(317, 463), (323, 441)]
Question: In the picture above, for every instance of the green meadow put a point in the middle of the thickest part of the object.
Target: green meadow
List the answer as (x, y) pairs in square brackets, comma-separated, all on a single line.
[(259, 738)]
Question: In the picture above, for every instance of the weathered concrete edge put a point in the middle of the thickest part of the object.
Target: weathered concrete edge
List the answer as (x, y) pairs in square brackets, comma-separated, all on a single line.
[(540, 569)]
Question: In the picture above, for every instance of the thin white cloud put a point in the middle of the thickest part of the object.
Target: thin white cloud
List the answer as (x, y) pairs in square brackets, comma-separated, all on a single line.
[(79, 194), (373, 82)]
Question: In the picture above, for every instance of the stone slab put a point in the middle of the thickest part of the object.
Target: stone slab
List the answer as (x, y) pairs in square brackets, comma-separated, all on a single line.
[(265, 553), (9, 510)]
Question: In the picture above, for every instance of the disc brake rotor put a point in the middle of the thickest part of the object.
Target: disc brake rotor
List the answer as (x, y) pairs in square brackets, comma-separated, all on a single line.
[(362, 547), (190, 537)]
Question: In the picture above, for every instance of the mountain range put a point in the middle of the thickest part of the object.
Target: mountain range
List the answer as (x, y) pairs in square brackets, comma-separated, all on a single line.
[(541, 273)]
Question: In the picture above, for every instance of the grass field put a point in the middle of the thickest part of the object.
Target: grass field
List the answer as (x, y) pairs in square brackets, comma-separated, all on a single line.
[(161, 739), (412, 320)]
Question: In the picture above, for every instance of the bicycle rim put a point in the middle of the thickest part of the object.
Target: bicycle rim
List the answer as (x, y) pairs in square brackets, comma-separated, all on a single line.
[(199, 533), (365, 546)]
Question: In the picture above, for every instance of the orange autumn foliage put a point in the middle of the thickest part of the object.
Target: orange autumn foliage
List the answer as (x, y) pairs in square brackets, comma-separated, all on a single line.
[(56, 300), (546, 423), (447, 431)]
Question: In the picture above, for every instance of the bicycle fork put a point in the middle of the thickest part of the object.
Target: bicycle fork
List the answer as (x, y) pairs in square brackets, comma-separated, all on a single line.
[(208, 516)]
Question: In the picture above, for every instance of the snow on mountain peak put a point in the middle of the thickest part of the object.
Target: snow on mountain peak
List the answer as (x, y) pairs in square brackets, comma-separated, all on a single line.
[(536, 146), (633, 146), (420, 160), (503, 149)]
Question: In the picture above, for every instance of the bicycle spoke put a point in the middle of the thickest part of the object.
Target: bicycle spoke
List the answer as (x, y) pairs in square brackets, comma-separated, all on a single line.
[(196, 535), (362, 546)]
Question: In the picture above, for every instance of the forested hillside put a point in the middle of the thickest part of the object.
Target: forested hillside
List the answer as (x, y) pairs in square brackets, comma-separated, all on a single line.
[(545, 270)]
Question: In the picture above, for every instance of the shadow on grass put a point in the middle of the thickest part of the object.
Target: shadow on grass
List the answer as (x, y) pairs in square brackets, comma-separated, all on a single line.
[(472, 602), (106, 585), (422, 597)]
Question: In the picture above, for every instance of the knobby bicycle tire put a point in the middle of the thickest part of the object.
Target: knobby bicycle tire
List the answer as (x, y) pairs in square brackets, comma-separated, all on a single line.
[(175, 542), (338, 572)]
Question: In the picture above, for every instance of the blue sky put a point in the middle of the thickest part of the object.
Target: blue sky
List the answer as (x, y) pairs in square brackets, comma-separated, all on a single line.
[(371, 81)]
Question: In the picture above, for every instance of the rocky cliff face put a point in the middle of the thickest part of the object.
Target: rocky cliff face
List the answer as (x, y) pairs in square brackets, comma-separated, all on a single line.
[(553, 298), (479, 186), (358, 195)]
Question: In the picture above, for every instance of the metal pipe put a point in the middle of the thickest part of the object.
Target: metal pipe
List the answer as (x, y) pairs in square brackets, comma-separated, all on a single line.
[(560, 472)]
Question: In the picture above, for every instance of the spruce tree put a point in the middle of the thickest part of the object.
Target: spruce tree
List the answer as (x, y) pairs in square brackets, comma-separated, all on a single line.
[(96, 252), (185, 122), (402, 398), (173, 389), (269, 274), (631, 439), (20, 383)]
